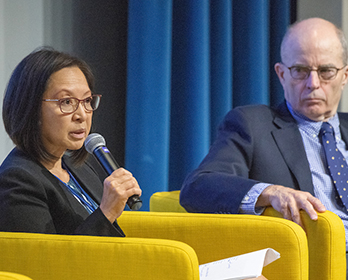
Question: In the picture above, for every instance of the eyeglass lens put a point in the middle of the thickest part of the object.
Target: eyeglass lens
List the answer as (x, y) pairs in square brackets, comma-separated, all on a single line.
[(301, 73), (68, 105)]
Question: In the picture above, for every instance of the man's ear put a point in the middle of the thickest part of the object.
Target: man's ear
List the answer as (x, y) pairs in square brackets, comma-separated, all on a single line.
[(280, 70), (345, 76)]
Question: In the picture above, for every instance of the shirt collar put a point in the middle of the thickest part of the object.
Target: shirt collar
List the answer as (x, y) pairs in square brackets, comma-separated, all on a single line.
[(311, 126)]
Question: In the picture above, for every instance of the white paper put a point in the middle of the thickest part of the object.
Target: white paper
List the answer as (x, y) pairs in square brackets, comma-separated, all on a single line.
[(240, 267)]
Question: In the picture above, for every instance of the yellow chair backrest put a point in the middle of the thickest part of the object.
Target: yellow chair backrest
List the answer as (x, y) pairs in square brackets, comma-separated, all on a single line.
[(166, 202)]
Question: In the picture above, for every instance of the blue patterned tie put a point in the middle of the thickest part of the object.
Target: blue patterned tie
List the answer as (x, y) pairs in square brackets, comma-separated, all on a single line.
[(336, 162)]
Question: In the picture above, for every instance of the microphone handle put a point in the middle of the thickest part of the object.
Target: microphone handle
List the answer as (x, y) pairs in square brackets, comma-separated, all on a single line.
[(109, 164), (106, 159)]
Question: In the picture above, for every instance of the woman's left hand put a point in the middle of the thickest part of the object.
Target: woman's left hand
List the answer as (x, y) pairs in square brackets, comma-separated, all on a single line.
[(118, 187)]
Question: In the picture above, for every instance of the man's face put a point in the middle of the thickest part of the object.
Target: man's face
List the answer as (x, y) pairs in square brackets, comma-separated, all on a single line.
[(315, 98)]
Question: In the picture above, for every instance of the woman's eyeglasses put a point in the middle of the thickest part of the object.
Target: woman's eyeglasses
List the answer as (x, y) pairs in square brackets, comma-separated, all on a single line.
[(69, 105)]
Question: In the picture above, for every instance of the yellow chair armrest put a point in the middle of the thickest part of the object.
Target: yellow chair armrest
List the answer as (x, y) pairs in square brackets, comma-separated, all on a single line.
[(326, 242), (217, 236), (326, 237), (53, 257), (12, 276)]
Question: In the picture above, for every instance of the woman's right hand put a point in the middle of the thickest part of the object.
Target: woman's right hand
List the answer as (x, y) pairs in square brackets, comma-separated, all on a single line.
[(118, 187)]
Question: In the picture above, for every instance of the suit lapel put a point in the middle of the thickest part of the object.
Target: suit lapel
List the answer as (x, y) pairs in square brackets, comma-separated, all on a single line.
[(344, 127), (290, 144), (88, 180), (74, 203), (64, 192)]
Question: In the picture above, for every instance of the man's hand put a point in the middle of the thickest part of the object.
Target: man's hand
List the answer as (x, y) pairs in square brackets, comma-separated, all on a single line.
[(289, 202)]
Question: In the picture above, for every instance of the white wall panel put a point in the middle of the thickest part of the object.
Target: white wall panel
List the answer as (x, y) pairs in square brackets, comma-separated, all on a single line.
[(21, 31), (24, 26)]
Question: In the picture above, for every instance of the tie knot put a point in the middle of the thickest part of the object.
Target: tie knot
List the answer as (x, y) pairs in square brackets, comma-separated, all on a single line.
[(326, 128)]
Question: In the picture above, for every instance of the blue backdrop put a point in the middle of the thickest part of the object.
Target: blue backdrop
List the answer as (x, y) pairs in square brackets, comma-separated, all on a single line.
[(189, 62)]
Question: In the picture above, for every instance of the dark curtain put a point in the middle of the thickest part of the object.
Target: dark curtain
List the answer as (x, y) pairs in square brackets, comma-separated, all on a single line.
[(100, 38), (188, 63)]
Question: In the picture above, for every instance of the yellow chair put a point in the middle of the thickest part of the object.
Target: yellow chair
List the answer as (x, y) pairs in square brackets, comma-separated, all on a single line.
[(326, 237), (214, 237), (57, 257), (158, 246), (12, 276)]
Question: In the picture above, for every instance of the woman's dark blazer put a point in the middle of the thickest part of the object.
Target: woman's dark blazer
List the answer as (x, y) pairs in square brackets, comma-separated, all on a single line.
[(32, 199)]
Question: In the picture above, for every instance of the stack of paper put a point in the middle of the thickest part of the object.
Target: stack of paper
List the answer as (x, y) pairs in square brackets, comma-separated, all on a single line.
[(240, 267)]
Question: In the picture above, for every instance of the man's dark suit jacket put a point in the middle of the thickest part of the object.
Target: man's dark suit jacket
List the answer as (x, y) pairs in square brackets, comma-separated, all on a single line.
[(34, 200), (254, 144)]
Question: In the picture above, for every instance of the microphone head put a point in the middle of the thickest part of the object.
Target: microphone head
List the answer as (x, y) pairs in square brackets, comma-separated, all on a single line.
[(93, 141)]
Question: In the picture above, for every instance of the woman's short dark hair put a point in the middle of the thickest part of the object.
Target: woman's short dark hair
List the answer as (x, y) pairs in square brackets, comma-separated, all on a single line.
[(22, 103)]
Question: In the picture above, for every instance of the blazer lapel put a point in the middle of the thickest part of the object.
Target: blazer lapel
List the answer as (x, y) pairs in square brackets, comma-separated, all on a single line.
[(88, 180), (344, 127), (65, 193), (289, 141)]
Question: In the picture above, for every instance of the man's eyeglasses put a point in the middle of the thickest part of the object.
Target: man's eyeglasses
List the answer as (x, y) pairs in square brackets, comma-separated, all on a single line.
[(298, 72), (70, 104)]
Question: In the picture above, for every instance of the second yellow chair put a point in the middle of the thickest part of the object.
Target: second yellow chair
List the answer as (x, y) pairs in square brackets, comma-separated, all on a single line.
[(326, 237)]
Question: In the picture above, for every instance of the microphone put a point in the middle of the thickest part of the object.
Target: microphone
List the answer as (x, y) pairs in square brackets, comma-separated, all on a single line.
[(95, 144)]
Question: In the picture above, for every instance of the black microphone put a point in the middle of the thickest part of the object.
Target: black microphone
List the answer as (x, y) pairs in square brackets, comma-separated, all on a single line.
[(95, 144)]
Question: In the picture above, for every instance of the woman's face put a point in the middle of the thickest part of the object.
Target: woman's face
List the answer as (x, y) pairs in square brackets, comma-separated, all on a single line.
[(60, 131)]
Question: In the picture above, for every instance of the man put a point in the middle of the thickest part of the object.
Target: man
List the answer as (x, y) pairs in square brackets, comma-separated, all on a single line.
[(265, 156)]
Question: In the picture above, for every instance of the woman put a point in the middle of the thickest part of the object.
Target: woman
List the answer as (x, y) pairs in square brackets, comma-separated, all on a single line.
[(46, 185)]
